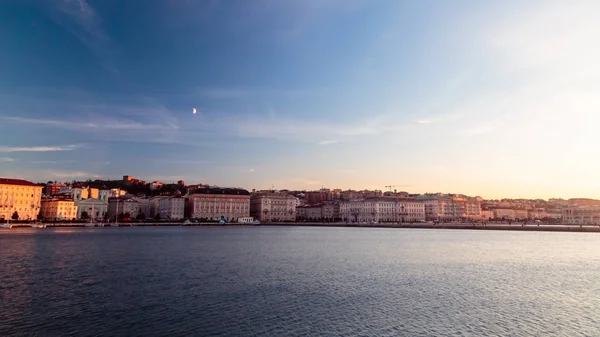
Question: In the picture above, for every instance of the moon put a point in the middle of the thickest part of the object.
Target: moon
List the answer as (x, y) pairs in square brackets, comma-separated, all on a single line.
[(194, 110)]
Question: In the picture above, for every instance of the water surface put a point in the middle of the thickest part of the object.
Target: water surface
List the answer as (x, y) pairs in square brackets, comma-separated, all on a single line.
[(245, 281)]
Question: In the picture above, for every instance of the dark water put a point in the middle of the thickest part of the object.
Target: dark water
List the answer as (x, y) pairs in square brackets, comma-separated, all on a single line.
[(248, 281)]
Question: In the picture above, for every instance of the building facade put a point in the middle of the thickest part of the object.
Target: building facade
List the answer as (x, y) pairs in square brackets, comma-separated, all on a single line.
[(581, 216), (154, 201), (77, 193), (123, 206), (171, 208), (103, 195), (95, 209), (382, 209), (53, 188), (21, 196), (217, 203), (58, 209), (309, 212), (451, 207), (273, 206)]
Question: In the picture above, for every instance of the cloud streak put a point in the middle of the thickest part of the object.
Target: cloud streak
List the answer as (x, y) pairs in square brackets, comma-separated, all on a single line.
[(6, 160), (328, 142), (109, 124), (7, 149), (72, 174), (81, 19)]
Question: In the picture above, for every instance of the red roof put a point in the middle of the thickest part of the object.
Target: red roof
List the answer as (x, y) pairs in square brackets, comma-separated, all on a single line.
[(6, 181)]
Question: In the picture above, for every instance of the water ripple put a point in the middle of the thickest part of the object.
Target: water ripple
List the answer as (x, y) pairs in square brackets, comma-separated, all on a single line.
[(257, 281)]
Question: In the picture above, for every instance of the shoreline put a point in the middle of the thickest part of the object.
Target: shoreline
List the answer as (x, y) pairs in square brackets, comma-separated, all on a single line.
[(455, 226)]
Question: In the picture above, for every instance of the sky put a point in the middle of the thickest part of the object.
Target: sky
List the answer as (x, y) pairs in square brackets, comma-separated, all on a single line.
[(496, 98)]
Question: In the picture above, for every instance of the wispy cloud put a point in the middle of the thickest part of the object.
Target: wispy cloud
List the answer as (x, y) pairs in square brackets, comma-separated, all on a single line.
[(191, 162), (109, 124), (251, 170), (6, 159), (71, 174), (66, 161), (82, 20), (290, 128), (39, 148), (423, 121)]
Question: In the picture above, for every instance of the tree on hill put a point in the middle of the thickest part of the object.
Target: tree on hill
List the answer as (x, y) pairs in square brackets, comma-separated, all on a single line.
[(15, 216)]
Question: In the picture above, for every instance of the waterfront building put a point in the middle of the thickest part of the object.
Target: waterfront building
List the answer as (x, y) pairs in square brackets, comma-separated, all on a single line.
[(309, 212), (536, 214), (581, 215), (154, 209), (273, 206), (487, 214), (410, 210), (143, 207), (361, 211), (95, 209), (125, 206), (21, 196), (504, 213), (171, 208), (451, 207), (58, 208), (521, 214), (382, 209), (216, 203), (331, 211)]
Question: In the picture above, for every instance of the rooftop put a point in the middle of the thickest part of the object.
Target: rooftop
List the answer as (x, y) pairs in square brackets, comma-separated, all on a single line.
[(218, 190), (20, 182)]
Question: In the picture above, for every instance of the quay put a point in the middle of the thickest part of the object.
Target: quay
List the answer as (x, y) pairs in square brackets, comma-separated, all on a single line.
[(541, 227)]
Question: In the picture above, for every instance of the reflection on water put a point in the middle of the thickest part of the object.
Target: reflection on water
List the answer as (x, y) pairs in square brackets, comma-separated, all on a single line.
[(298, 281)]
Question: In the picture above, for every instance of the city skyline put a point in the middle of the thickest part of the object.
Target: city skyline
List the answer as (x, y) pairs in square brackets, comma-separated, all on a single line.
[(495, 99)]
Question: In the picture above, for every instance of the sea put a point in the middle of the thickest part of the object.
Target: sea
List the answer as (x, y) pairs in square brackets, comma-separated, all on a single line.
[(297, 281)]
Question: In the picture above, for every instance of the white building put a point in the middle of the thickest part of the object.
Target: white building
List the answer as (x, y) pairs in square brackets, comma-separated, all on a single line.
[(382, 209), (581, 216), (216, 203), (171, 208), (123, 206), (103, 195), (94, 208), (309, 212), (76, 193), (273, 206), (143, 207), (331, 211), (154, 205)]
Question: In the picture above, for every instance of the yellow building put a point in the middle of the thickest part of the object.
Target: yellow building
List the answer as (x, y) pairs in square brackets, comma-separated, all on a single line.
[(19, 196), (59, 209)]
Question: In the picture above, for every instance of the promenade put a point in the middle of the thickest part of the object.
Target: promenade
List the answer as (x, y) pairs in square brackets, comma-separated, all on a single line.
[(456, 226)]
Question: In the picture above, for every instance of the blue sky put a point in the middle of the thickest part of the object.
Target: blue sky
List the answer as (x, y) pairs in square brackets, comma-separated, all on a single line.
[(490, 98)]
